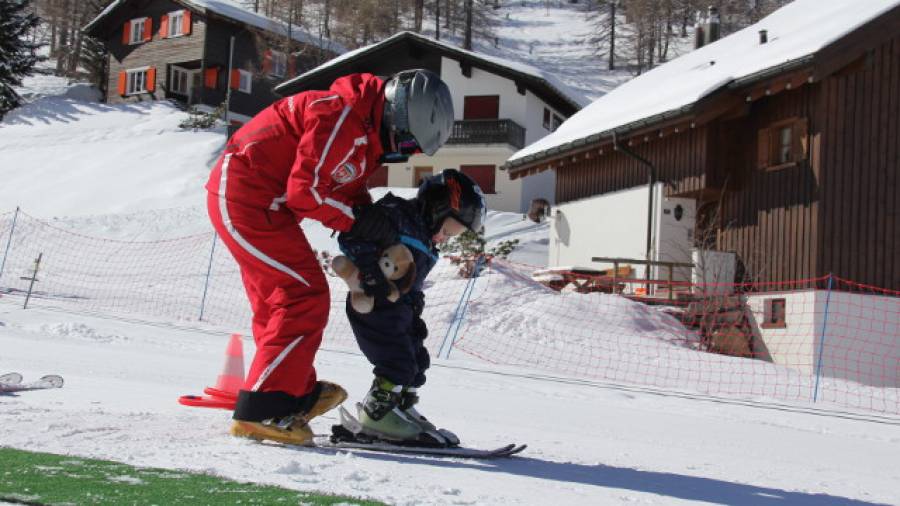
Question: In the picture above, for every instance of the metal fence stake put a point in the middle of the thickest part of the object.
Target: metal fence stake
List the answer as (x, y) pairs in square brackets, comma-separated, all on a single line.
[(9, 241), (33, 278), (212, 252), (822, 339)]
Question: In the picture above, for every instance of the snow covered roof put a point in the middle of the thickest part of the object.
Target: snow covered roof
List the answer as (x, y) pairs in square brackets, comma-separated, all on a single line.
[(796, 33), (233, 11), (528, 73)]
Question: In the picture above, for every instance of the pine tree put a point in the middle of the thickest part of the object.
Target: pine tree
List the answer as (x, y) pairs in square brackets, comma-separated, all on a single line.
[(17, 53)]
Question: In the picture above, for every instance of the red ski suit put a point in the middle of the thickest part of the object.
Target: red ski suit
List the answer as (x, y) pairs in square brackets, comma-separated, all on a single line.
[(305, 156)]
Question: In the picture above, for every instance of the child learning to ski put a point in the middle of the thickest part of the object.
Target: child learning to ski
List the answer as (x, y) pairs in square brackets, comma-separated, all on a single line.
[(391, 335)]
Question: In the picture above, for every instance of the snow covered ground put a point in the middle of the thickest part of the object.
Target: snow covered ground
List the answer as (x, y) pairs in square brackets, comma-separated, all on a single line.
[(61, 158), (588, 443)]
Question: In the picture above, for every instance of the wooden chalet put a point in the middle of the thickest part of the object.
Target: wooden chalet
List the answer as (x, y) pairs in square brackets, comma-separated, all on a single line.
[(793, 165), (182, 50)]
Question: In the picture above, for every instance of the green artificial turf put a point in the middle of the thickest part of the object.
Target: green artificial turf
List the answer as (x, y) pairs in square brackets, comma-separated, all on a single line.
[(43, 478)]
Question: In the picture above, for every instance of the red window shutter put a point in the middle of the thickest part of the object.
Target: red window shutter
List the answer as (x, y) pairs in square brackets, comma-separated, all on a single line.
[(292, 66), (148, 29), (211, 79), (164, 26), (235, 81), (481, 174), (186, 23), (481, 107), (126, 33), (378, 178), (151, 79), (267, 61), (123, 82)]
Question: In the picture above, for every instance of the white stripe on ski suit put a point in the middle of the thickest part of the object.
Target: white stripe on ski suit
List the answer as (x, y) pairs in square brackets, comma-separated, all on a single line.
[(271, 367), (322, 158), (226, 220)]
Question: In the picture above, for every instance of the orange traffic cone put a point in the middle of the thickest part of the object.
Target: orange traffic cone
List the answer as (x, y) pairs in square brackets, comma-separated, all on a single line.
[(230, 381)]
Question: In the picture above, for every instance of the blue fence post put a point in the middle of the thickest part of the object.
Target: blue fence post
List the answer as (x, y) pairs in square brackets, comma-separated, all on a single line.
[(212, 252), (822, 338), (9, 240), (460, 312)]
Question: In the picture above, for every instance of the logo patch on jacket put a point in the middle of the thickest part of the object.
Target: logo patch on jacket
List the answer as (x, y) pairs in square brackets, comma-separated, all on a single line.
[(344, 173)]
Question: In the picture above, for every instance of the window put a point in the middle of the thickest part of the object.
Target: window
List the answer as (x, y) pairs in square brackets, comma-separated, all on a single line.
[(137, 82), (557, 121), (246, 81), (775, 314), (180, 81), (546, 118), (481, 174), (176, 24), (785, 145), (137, 30), (279, 64), (782, 144)]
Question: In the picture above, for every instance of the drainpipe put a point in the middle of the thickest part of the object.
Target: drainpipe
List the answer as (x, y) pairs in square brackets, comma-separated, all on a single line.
[(228, 82), (652, 177)]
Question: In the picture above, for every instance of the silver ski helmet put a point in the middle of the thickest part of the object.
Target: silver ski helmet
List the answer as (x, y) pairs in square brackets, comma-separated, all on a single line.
[(418, 109), (451, 194)]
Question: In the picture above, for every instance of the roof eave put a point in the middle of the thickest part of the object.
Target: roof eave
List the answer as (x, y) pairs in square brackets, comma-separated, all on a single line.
[(525, 163), (536, 81)]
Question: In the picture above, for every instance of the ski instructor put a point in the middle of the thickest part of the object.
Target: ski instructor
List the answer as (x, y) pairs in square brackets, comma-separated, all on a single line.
[(308, 156)]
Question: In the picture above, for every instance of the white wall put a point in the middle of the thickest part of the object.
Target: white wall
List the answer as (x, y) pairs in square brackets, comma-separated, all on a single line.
[(508, 193), (527, 110), (512, 104), (862, 335), (609, 225), (534, 118), (615, 225), (541, 185)]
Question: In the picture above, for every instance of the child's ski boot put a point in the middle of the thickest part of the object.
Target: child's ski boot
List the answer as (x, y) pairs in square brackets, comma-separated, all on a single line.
[(381, 416)]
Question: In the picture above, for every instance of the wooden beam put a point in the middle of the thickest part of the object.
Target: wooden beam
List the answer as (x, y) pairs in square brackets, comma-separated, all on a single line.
[(466, 69)]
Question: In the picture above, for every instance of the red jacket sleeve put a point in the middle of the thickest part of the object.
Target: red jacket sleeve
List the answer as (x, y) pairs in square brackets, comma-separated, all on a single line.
[(331, 137)]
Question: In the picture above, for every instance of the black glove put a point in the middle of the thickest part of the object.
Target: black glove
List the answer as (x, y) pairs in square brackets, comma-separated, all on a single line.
[(373, 282), (373, 224)]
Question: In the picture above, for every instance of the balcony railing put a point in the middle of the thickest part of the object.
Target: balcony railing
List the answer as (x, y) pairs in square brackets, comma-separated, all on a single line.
[(488, 131)]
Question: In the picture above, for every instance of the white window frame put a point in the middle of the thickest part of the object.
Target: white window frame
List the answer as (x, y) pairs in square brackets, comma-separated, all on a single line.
[(132, 79), (176, 29), (245, 78), (174, 84), (137, 36), (279, 64)]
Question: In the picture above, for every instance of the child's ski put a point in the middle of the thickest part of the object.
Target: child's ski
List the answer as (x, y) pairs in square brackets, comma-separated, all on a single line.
[(347, 436), (49, 381)]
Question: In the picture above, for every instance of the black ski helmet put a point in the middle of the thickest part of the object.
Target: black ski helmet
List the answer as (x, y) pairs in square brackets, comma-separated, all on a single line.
[(419, 110), (451, 193)]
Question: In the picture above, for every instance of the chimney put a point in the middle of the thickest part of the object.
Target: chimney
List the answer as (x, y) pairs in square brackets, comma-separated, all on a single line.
[(763, 36), (707, 29), (699, 38), (713, 26)]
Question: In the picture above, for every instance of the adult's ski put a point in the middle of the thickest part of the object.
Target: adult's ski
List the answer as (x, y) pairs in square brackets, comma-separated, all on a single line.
[(16, 385)]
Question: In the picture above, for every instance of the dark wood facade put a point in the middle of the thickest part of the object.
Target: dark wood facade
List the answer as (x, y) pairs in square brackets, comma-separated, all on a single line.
[(833, 212), (204, 48)]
